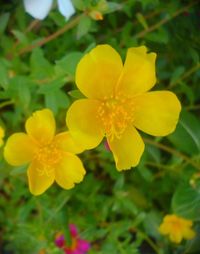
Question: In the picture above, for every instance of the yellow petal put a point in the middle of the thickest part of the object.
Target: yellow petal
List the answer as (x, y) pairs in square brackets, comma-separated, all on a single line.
[(84, 124), (165, 228), (176, 236), (98, 72), (41, 126), (39, 178), (139, 71), (19, 149), (65, 142), (69, 171), (2, 134), (188, 233), (128, 149), (157, 113)]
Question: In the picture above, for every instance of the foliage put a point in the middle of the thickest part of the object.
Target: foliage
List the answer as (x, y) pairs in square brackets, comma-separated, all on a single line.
[(118, 212)]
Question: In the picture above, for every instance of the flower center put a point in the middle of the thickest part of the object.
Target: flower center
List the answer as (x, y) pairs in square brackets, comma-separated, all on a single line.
[(116, 113), (73, 244), (47, 157)]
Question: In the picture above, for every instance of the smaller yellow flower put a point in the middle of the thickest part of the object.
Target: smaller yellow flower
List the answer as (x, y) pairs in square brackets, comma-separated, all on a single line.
[(2, 134), (177, 228), (51, 157)]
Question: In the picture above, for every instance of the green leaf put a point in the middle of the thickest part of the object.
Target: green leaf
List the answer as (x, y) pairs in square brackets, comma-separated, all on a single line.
[(21, 37), (188, 91), (4, 21), (176, 74), (76, 94), (67, 64), (56, 99), (142, 20), (18, 170), (193, 246), (112, 7), (79, 4), (52, 86), (83, 26), (152, 222), (40, 66), (4, 69), (159, 36), (19, 87), (187, 134), (186, 202)]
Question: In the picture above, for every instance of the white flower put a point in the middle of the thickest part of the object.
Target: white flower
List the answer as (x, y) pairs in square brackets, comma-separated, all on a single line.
[(39, 9)]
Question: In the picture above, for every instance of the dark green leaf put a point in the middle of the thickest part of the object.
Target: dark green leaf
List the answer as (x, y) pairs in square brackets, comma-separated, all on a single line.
[(186, 202), (83, 26), (187, 134)]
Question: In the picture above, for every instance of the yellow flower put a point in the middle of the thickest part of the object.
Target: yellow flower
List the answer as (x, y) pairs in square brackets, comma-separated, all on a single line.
[(51, 156), (118, 102), (177, 228), (2, 134)]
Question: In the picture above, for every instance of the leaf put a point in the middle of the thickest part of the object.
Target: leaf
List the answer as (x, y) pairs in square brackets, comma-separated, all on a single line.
[(112, 7), (176, 74), (152, 222), (188, 91), (56, 99), (4, 18), (40, 66), (18, 170), (83, 26), (76, 94), (19, 87), (67, 64), (159, 36), (187, 134), (4, 77), (52, 86), (193, 246), (186, 202), (142, 20), (21, 37), (79, 4)]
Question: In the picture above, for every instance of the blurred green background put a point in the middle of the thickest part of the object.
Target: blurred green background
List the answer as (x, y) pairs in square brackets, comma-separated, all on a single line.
[(118, 212)]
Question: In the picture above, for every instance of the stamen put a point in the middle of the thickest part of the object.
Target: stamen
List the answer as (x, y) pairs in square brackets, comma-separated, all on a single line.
[(47, 157), (116, 113)]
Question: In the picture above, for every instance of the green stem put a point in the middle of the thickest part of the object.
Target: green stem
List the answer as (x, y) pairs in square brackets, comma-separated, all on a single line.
[(173, 151), (185, 75), (150, 242), (53, 36), (6, 103), (164, 21)]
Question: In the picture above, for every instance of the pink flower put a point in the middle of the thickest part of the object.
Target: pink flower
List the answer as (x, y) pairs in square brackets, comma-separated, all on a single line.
[(78, 245)]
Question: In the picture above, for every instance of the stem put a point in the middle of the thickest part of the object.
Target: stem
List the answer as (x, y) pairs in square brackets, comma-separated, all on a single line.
[(150, 242), (185, 75), (172, 151), (57, 210), (164, 21), (158, 166), (53, 36), (6, 103), (194, 107)]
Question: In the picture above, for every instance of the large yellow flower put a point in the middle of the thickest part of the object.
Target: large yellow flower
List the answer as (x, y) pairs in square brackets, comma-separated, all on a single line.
[(177, 228), (118, 102), (51, 156), (2, 134)]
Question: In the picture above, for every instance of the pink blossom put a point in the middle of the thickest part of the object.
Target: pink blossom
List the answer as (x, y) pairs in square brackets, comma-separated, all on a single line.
[(78, 245)]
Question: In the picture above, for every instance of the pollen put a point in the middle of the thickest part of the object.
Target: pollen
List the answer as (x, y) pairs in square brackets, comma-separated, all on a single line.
[(116, 113), (47, 157)]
